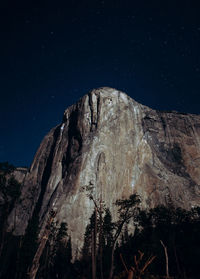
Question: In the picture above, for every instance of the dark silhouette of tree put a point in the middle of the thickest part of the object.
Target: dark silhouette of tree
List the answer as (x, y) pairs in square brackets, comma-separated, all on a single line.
[(6, 168), (178, 229), (10, 190), (127, 209), (107, 240), (63, 254), (108, 227), (28, 248), (88, 253), (110, 232)]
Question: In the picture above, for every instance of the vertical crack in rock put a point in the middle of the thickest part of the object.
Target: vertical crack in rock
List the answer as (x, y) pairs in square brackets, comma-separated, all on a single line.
[(98, 110), (47, 172), (91, 111), (74, 142), (164, 125), (50, 204), (95, 106)]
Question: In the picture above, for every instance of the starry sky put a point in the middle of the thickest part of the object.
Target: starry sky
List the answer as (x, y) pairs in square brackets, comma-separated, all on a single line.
[(53, 52)]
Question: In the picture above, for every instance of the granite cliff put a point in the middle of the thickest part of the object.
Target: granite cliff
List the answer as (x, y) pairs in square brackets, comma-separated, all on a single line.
[(118, 146)]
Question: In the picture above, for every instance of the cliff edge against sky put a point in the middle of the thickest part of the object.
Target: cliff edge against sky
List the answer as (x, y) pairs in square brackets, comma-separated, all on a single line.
[(118, 147)]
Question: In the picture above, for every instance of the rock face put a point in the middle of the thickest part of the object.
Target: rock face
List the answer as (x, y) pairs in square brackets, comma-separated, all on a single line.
[(20, 174), (117, 146)]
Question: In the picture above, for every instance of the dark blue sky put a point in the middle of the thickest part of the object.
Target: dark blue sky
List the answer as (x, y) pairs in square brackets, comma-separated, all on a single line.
[(53, 53)]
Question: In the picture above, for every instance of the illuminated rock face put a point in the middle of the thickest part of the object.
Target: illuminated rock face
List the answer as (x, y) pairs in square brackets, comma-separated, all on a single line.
[(117, 146)]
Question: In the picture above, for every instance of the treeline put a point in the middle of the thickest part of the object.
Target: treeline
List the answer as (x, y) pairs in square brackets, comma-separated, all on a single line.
[(10, 190), (18, 254), (169, 234), (162, 242)]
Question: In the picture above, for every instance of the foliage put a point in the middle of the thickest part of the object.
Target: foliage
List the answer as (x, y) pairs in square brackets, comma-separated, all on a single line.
[(108, 233), (178, 229), (57, 255), (106, 240), (108, 227), (63, 254), (28, 247), (127, 209), (6, 168), (9, 188)]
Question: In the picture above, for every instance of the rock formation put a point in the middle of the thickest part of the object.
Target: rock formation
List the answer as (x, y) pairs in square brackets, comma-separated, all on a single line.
[(118, 146)]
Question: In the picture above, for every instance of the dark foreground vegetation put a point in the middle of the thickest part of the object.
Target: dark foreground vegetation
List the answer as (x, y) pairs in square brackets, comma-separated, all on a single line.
[(160, 243)]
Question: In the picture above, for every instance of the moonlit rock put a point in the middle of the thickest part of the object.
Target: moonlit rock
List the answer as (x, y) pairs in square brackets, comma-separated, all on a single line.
[(119, 147)]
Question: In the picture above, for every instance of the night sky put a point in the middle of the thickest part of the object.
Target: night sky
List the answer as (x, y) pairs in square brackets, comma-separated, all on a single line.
[(53, 53)]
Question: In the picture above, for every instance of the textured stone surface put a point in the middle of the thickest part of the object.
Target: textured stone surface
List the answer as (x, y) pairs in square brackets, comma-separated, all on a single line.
[(20, 174), (118, 146)]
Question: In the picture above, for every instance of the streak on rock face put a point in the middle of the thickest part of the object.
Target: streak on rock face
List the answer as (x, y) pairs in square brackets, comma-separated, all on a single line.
[(117, 146)]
